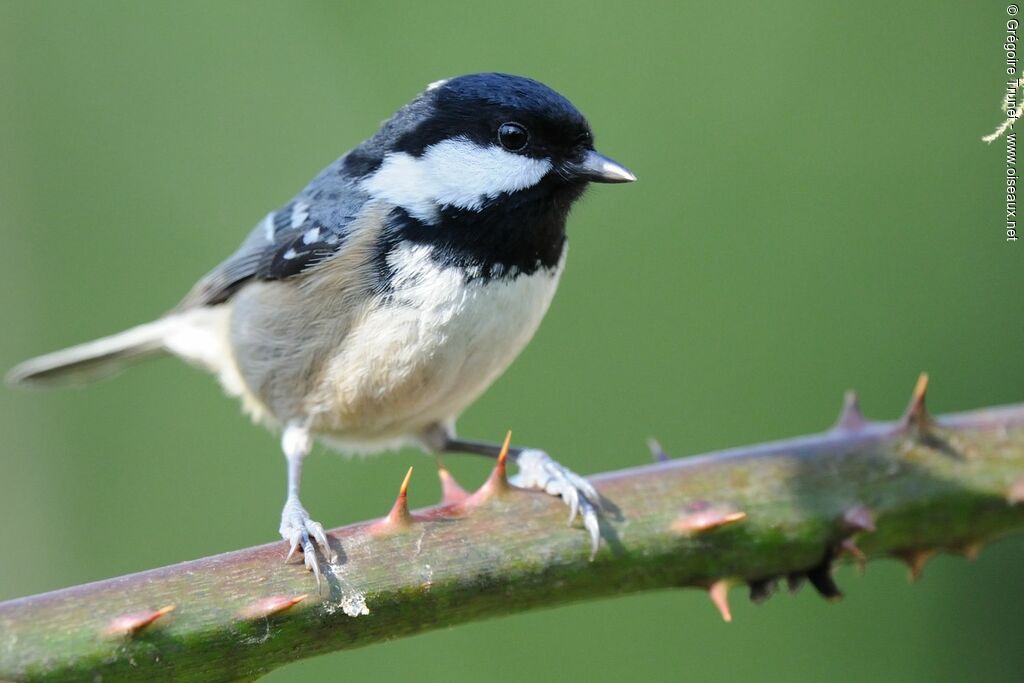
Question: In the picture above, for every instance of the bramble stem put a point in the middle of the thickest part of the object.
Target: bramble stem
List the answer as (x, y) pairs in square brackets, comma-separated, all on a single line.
[(748, 515)]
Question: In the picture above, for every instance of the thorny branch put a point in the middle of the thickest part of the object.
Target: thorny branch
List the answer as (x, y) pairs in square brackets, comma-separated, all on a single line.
[(755, 516)]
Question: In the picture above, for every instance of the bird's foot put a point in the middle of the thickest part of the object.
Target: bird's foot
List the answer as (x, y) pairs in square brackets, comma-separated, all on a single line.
[(300, 532), (537, 470)]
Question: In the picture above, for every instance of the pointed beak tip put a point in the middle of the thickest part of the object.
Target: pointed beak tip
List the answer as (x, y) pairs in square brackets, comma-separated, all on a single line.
[(619, 174), (628, 176), (595, 167), (599, 168), (612, 172)]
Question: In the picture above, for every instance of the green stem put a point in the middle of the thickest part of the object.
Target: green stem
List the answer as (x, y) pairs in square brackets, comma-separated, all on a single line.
[(748, 515)]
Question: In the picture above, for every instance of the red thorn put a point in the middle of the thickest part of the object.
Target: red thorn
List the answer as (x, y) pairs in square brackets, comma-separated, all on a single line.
[(271, 605), (1016, 492), (850, 417), (451, 492), (915, 561), (398, 518), (130, 624), (500, 467), (917, 412), (971, 549), (859, 518), (702, 516), (403, 491), (719, 593), (399, 515), (497, 482), (849, 547), (657, 452)]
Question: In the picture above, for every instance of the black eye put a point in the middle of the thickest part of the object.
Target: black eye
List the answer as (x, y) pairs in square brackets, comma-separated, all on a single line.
[(513, 137)]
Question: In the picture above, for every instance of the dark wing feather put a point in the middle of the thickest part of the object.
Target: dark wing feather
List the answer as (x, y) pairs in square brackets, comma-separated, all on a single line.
[(310, 229)]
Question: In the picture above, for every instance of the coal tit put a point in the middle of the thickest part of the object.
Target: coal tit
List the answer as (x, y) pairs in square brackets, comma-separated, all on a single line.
[(373, 308)]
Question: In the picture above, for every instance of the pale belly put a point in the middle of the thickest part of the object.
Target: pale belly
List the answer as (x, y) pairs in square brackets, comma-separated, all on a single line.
[(424, 356)]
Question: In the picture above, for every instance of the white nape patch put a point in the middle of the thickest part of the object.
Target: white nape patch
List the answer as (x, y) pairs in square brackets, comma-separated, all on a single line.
[(268, 227), (311, 236), (454, 172), (436, 84), (300, 212)]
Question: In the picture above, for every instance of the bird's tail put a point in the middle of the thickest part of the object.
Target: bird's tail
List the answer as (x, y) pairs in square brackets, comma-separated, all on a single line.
[(196, 335), (92, 360)]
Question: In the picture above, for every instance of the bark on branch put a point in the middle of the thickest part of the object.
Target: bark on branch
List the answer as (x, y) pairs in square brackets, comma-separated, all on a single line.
[(748, 515)]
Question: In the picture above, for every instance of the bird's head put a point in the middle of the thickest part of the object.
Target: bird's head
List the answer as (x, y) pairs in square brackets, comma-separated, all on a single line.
[(480, 141)]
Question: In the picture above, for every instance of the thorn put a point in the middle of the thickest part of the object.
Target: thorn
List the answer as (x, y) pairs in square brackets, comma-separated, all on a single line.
[(657, 452), (451, 492), (850, 417), (762, 589), (701, 516), (403, 491), (719, 593), (850, 548), (859, 518), (399, 515), (500, 468), (971, 549), (822, 581), (915, 561), (917, 413), (497, 482), (821, 578), (272, 605), (1016, 493), (130, 624)]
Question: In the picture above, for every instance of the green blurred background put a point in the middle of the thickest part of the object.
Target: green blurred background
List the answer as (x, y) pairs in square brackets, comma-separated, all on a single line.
[(816, 211)]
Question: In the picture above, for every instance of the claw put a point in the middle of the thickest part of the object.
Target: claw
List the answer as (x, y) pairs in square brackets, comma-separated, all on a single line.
[(309, 559), (321, 539), (593, 527), (291, 551), (302, 532), (538, 471), (589, 492), (574, 504)]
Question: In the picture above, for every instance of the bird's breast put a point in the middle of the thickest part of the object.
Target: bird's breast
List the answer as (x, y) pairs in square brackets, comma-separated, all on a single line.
[(424, 350)]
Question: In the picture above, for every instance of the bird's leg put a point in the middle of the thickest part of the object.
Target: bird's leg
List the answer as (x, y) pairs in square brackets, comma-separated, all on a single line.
[(296, 526), (538, 470)]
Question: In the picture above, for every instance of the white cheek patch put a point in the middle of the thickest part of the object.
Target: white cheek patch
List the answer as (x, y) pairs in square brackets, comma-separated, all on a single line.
[(455, 173)]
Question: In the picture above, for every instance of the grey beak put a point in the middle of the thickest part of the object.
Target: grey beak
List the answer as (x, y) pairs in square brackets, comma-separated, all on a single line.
[(600, 169)]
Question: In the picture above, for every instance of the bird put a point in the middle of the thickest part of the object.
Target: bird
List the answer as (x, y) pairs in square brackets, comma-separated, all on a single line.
[(379, 303)]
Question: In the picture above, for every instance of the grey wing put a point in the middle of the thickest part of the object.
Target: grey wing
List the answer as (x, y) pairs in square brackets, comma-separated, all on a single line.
[(312, 228)]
